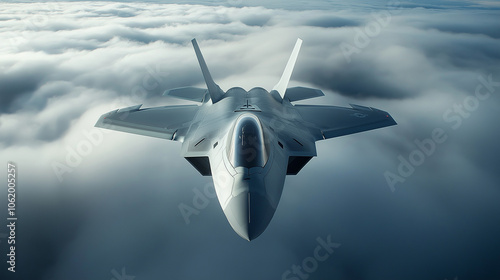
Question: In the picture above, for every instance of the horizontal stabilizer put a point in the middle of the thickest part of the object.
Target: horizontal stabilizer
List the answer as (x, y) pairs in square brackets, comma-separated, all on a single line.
[(187, 93), (301, 93)]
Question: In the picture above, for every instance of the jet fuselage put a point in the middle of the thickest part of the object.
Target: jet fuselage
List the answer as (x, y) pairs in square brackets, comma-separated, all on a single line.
[(248, 160)]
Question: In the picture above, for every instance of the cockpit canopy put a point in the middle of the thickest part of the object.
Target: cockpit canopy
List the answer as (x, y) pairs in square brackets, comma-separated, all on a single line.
[(247, 146)]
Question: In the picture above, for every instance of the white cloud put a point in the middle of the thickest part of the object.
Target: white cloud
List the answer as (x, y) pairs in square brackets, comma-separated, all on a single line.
[(62, 65)]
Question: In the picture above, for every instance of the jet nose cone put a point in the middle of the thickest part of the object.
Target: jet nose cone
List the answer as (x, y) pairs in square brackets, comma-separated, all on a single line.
[(249, 214)]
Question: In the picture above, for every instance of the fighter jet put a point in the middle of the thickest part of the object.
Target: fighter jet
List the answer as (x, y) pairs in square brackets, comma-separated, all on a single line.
[(248, 141)]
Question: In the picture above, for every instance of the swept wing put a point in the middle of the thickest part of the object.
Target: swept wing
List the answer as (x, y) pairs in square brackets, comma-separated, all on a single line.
[(168, 122), (333, 121)]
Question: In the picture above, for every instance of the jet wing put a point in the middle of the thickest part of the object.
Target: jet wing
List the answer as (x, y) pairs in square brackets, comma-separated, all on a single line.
[(333, 121), (168, 122)]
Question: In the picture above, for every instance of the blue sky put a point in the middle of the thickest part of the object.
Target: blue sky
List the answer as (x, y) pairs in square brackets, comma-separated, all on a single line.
[(398, 208)]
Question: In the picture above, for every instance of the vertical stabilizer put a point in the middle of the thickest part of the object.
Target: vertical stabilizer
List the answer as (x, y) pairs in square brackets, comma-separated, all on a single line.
[(215, 91), (281, 86)]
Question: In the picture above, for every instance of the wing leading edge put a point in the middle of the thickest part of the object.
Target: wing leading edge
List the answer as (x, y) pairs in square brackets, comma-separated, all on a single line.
[(332, 121)]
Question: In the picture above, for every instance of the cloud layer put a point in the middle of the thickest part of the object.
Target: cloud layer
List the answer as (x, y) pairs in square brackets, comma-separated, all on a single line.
[(115, 202)]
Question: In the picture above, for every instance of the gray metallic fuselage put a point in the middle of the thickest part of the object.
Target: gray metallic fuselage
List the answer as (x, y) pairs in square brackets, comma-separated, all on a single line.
[(248, 195)]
